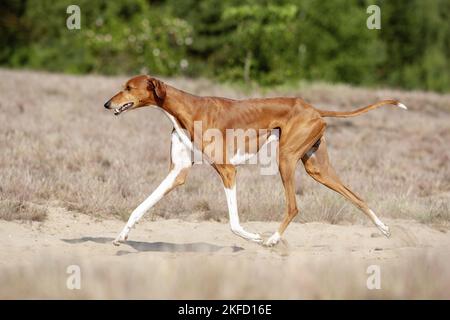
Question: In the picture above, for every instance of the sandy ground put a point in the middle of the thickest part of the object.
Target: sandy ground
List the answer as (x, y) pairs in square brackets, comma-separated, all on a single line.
[(188, 259)]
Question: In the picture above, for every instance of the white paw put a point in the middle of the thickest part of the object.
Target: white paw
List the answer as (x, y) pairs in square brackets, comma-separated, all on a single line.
[(273, 240), (384, 230), (381, 226), (256, 238), (121, 238), (246, 235)]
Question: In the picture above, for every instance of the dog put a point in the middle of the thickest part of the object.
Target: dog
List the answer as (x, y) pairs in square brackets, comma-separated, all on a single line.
[(297, 127)]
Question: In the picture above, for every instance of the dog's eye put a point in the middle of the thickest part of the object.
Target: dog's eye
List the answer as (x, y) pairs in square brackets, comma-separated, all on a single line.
[(128, 88)]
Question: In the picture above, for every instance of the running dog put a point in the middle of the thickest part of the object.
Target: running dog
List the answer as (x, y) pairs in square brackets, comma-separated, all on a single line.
[(297, 127)]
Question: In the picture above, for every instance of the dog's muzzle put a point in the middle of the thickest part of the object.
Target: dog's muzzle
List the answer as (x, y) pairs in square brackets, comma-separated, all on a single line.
[(123, 108)]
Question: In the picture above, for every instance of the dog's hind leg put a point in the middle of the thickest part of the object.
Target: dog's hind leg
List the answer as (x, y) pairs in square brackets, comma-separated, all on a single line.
[(318, 166), (287, 172), (181, 161), (228, 175), (294, 143)]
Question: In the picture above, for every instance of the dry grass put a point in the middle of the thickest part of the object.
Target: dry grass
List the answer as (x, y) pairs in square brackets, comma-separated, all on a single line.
[(58, 144), (19, 210)]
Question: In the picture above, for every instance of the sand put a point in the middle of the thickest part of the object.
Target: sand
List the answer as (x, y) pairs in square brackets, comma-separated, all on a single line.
[(189, 259)]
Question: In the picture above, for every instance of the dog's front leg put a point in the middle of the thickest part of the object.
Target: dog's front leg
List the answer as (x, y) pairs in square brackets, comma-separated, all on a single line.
[(173, 179), (228, 175), (180, 164), (235, 225)]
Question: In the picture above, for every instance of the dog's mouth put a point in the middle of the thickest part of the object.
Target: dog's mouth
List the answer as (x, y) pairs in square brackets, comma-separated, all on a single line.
[(123, 108)]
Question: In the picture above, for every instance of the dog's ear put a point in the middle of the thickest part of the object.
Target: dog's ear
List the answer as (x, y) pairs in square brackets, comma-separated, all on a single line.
[(158, 88)]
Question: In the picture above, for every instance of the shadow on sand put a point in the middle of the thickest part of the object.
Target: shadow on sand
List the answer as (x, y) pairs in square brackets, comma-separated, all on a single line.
[(141, 246)]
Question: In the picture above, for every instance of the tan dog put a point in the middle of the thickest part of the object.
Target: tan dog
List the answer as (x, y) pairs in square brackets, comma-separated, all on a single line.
[(296, 125)]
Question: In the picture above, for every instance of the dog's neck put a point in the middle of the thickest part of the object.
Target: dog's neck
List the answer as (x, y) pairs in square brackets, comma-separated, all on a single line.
[(180, 105)]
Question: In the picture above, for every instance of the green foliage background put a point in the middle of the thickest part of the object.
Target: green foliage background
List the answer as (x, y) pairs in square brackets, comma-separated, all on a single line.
[(268, 42)]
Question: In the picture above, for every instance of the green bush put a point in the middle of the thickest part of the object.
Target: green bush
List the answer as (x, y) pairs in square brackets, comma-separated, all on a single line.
[(417, 38), (115, 37), (268, 42)]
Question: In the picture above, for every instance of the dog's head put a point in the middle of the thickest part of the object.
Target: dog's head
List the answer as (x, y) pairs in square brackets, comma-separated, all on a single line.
[(138, 92)]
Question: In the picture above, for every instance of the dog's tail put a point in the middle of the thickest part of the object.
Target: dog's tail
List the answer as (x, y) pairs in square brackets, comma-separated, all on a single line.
[(357, 112)]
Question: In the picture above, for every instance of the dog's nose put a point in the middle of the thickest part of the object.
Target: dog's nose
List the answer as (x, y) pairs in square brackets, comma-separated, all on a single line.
[(107, 104)]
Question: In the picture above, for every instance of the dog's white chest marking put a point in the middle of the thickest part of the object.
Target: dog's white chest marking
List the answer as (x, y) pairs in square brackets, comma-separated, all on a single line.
[(181, 132)]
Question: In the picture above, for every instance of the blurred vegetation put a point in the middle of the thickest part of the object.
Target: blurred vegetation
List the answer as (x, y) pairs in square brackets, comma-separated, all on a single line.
[(267, 42)]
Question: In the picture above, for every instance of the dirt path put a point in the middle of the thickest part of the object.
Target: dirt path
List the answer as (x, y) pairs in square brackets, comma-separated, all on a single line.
[(179, 259)]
